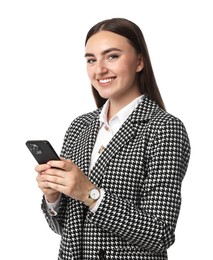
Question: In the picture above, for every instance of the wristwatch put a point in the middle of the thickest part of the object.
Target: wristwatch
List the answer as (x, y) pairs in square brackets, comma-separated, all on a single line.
[(94, 194)]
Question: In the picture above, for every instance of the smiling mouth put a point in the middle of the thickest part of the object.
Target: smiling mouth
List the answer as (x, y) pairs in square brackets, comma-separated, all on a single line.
[(104, 81)]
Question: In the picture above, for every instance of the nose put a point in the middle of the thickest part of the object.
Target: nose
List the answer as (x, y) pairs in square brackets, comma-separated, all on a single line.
[(101, 67)]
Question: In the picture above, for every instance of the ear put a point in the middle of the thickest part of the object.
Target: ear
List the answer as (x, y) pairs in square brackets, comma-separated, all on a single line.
[(140, 64)]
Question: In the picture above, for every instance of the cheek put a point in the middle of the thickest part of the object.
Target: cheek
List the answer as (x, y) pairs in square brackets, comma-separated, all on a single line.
[(90, 73), (128, 66), (128, 71)]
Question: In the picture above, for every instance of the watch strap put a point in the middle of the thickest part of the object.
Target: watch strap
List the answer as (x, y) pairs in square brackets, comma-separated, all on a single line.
[(90, 200)]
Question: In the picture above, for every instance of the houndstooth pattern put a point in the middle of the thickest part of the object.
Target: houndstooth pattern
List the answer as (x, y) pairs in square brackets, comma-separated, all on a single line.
[(141, 170)]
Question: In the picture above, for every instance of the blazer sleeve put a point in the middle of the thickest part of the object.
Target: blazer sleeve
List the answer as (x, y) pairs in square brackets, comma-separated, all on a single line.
[(150, 224), (56, 223)]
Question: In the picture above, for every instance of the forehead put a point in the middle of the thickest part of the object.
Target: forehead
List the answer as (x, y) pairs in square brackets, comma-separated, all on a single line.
[(104, 39)]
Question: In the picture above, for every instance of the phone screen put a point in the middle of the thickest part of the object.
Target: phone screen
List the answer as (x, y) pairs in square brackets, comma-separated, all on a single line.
[(42, 151)]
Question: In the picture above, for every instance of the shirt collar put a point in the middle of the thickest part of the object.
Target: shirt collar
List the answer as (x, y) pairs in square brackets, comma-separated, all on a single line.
[(123, 114)]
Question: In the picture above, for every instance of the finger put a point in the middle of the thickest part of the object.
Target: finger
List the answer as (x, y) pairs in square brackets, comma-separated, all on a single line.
[(50, 178), (51, 186), (54, 172), (64, 164), (41, 167)]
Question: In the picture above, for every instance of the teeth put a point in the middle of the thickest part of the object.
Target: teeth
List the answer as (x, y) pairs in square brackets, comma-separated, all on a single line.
[(105, 80)]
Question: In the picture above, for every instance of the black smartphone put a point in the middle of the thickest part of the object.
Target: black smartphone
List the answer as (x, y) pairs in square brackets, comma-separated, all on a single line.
[(42, 151)]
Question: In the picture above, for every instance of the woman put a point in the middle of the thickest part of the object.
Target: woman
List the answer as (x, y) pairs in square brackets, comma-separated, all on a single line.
[(116, 193)]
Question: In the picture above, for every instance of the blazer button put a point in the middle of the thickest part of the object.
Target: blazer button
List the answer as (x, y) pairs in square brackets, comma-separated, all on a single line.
[(102, 254)]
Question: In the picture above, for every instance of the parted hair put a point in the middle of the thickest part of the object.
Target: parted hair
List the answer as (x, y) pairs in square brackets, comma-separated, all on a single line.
[(146, 78)]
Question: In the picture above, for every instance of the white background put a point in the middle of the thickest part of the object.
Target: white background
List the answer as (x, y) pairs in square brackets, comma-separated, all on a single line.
[(44, 86)]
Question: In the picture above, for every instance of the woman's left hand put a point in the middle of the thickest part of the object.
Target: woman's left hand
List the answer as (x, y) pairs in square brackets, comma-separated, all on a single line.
[(66, 177)]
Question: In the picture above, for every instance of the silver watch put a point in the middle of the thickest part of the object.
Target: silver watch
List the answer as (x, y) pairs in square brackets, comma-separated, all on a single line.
[(94, 194)]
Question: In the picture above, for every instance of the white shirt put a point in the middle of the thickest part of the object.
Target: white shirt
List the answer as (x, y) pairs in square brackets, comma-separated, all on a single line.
[(106, 132)]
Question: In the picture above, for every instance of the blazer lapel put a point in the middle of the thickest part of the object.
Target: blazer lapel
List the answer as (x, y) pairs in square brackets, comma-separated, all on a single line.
[(83, 146), (140, 115), (116, 143)]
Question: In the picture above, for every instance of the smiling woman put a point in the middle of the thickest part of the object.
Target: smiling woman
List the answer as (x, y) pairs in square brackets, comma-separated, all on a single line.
[(131, 34), (116, 192), (112, 67)]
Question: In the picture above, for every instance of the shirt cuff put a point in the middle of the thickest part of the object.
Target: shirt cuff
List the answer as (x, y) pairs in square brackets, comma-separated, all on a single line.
[(53, 207), (98, 202)]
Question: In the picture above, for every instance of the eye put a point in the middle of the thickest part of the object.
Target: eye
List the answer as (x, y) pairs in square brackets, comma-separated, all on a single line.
[(91, 61), (112, 56)]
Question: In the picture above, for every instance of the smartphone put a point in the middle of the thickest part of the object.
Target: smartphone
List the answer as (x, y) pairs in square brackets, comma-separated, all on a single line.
[(42, 151)]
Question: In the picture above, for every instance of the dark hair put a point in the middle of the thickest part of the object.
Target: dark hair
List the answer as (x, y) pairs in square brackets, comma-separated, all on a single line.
[(146, 79)]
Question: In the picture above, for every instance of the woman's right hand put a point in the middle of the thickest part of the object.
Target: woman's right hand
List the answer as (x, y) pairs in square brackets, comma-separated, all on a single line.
[(50, 194)]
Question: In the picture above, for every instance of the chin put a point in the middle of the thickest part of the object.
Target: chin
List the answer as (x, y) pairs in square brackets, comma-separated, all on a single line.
[(104, 95)]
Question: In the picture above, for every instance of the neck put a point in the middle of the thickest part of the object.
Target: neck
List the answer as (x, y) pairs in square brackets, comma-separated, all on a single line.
[(116, 106)]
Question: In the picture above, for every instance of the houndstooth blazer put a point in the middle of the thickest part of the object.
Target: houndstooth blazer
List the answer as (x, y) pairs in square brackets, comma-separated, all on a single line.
[(141, 170)]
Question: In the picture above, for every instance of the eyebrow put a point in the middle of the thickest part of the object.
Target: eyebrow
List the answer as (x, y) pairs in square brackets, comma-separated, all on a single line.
[(103, 52)]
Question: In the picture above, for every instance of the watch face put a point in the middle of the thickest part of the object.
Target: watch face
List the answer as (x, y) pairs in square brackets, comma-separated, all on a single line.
[(94, 194)]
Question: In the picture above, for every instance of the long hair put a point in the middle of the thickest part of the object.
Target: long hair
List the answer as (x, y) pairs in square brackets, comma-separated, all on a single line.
[(146, 79)]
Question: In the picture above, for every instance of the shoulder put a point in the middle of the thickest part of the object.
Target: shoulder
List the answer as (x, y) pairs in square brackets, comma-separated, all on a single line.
[(169, 133), (169, 122), (157, 121), (149, 111), (79, 124), (161, 118), (85, 119)]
